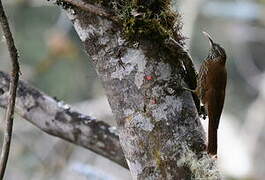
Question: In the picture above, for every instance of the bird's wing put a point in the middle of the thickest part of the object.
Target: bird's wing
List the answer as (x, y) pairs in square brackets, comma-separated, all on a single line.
[(215, 103), (202, 81)]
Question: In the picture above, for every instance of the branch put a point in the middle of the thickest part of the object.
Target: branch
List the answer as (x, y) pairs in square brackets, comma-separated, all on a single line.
[(12, 91), (90, 8), (57, 119)]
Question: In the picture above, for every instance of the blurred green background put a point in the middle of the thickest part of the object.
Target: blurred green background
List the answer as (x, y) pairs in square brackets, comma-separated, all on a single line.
[(53, 60)]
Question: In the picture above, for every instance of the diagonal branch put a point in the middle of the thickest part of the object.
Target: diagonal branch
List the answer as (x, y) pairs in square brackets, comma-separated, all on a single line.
[(57, 119), (12, 91), (90, 8)]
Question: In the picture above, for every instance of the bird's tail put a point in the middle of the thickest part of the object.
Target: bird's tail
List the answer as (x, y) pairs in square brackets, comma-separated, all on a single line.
[(212, 141)]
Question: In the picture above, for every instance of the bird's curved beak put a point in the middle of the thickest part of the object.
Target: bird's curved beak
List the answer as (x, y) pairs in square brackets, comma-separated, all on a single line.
[(209, 38)]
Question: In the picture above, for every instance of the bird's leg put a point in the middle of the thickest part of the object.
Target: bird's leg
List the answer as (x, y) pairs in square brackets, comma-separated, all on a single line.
[(201, 110)]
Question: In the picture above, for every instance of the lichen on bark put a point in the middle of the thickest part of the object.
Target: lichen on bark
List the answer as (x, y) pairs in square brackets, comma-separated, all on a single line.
[(143, 81)]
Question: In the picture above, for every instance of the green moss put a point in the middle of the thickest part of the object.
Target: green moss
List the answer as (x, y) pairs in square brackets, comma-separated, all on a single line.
[(160, 163), (145, 19), (202, 168), (157, 156)]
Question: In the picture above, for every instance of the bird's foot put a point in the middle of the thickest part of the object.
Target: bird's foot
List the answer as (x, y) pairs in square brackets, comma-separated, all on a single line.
[(213, 156), (187, 89), (202, 112)]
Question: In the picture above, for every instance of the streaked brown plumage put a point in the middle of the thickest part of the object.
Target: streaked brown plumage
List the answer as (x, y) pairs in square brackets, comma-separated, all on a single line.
[(211, 84)]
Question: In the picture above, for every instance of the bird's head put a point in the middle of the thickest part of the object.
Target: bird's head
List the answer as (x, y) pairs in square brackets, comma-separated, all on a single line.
[(216, 50)]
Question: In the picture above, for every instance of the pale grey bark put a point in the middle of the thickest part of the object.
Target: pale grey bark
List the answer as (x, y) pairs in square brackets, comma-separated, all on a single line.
[(58, 119), (159, 129), (9, 114)]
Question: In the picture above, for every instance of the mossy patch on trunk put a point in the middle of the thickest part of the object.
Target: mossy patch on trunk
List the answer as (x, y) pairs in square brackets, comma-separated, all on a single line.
[(145, 19)]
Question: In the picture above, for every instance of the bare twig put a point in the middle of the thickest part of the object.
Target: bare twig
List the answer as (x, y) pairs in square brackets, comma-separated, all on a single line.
[(58, 119), (99, 11), (12, 91)]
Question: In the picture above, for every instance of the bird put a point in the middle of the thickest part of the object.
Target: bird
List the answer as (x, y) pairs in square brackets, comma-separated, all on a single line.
[(211, 86)]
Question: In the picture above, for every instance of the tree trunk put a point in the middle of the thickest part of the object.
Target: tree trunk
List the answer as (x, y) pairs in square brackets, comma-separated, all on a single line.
[(159, 128)]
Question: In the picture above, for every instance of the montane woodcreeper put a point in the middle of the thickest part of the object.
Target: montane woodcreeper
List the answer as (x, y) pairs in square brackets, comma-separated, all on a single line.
[(211, 84)]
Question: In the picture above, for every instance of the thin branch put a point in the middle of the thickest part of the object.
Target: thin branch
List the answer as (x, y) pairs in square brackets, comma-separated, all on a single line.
[(99, 11), (12, 91), (58, 119)]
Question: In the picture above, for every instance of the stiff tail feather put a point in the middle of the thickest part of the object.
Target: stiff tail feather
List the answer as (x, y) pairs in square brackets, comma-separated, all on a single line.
[(212, 141)]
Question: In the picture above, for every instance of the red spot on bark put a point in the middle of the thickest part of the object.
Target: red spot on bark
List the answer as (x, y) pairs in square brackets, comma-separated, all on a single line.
[(148, 77), (153, 101)]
